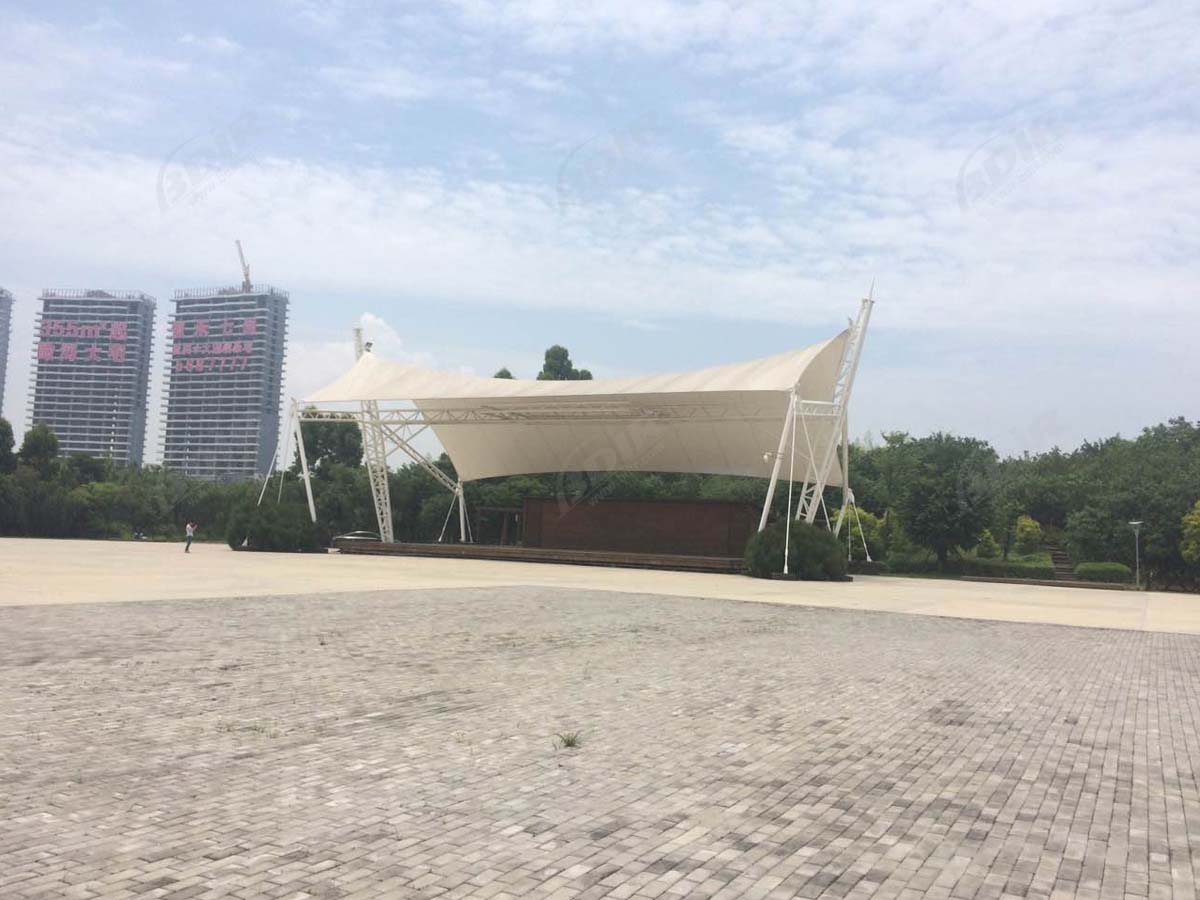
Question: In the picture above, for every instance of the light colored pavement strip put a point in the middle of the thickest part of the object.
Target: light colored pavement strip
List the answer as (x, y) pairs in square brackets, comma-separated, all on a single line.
[(398, 745), (41, 572)]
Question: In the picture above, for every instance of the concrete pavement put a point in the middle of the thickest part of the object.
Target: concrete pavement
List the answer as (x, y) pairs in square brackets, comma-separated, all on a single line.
[(49, 571)]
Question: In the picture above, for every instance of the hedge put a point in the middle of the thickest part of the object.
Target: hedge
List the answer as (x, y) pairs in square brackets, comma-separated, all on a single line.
[(814, 554), (1108, 572), (283, 528), (967, 565)]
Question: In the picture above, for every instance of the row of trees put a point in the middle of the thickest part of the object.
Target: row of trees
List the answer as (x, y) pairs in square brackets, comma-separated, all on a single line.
[(950, 494), (46, 494), (941, 497)]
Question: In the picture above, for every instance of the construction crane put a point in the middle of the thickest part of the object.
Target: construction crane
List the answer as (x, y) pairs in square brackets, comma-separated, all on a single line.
[(247, 287)]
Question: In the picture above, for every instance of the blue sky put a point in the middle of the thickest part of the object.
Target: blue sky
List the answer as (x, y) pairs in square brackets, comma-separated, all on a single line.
[(656, 184)]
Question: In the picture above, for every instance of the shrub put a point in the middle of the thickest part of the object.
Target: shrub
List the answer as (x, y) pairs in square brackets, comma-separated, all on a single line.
[(916, 564), (862, 567), (1028, 537), (1007, 568), (814, 554), (1189, 544), (284, 527), (987, 548), (1109, 572)]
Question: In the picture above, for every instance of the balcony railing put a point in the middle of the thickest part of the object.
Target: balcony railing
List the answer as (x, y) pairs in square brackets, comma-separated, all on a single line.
[(229, 291), (92, 294)]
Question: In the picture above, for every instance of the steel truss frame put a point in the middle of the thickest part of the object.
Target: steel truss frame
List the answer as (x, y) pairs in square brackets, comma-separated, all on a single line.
[(812, 492), (558, 413), (379, 428)]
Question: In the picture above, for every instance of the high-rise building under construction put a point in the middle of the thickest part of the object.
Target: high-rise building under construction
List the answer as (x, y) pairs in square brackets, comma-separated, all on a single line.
[(6, 305), (225, 379), (91, 373)]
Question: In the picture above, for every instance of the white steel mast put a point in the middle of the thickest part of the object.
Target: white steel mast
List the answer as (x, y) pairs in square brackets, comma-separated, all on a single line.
[(811, 491), (375, 455)]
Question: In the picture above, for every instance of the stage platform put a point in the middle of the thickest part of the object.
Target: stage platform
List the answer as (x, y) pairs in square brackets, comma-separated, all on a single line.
[(673, 561)]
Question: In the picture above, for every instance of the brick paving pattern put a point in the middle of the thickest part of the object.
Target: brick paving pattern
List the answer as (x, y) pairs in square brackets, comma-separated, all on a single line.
[(401, 745)]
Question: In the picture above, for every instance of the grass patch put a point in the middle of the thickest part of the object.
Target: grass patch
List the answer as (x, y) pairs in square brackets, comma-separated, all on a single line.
[(568, 740)]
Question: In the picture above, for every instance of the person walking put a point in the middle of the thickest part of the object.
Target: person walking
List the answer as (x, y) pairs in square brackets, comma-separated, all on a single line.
[(191, 533)]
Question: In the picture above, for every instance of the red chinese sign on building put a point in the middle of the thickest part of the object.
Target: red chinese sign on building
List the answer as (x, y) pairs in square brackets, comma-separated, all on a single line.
[(213, 355), (224, 327), (93, 341)]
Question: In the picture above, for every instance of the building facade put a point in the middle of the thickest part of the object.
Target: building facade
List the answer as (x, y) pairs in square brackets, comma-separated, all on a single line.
[(91, 374), (6, 305), (225, 368)]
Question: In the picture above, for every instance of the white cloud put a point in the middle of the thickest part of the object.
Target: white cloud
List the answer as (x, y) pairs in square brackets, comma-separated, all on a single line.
[(61, 85), (315, 361), (815, 146), (212, 43), (387, 82), (1099, 219), (534, 81)]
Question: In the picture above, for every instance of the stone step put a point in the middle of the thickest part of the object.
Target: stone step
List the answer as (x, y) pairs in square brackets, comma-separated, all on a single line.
[(1064, 569)]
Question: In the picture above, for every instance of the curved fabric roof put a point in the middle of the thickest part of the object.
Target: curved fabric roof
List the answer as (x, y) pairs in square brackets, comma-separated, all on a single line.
[(719, 420)]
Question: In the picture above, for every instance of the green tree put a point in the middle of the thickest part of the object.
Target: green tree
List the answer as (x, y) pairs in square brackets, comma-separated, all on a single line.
[(1092, 537), (39, 447), (1152, 478), (87, 469), (503, 373), (1189, 546), (895, 541), (947, 501), (872, 529), (558, 367), (328, 443), (8, 459), (1028, 535), (880, 472), (12, 506), (987, 548)]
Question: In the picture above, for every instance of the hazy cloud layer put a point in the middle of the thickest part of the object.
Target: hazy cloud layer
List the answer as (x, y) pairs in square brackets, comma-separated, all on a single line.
[(1022, 183)]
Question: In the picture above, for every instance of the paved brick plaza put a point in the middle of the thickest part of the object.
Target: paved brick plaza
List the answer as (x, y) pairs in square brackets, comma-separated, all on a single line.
[(400, 745)]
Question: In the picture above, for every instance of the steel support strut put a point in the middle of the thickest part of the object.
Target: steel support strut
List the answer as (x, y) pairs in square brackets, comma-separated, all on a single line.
[(788, 423), (375, 456), (811, 496), (304, 473)]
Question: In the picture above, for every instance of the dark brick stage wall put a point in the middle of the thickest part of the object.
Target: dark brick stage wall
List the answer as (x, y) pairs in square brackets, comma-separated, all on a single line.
[(693, 527)]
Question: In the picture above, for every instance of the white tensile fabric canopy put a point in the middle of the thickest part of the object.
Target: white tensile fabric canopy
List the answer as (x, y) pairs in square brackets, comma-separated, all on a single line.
[(723, 420)]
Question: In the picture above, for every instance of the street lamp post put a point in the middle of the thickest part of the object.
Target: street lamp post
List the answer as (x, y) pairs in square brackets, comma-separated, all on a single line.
[(1137, 551)]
